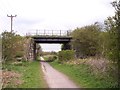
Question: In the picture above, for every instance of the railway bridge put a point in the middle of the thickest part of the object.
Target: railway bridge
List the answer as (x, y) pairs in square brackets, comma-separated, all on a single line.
[(53, 36)]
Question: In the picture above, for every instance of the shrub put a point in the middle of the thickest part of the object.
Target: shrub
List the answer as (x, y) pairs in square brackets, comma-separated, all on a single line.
[(50, 58), (19, 54), (66, 55)]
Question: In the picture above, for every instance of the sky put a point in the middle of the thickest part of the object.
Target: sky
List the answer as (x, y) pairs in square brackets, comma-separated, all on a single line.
[(42, 15)]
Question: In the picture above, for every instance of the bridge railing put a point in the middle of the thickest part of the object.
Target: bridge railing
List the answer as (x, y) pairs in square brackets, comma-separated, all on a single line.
[(50, 33)]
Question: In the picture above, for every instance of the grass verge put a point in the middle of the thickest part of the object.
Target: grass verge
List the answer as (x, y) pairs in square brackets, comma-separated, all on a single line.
[(31, 74), (83, 76)]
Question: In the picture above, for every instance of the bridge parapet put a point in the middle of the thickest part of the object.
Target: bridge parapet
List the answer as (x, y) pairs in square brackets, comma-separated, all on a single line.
[(50, 33)]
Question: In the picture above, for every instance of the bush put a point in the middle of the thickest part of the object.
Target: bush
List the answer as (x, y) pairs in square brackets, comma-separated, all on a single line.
[(19, 54), (50, 58), (86, 41), (66, 55)]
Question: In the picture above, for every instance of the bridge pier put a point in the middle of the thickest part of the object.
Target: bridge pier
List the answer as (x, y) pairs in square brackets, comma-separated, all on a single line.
[(34, 50), (66, 46)]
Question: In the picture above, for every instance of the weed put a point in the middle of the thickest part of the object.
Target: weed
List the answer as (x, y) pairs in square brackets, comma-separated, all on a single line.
[(83, 75), (32, 75)]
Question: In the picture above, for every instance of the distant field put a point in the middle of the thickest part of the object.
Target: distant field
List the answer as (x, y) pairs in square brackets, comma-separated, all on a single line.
[(49, 57)]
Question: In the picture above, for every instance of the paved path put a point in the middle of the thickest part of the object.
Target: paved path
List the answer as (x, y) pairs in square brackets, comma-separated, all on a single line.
[(56, 79)]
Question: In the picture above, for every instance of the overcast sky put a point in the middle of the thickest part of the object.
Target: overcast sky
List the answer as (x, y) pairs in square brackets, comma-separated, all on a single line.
[(52, 14)]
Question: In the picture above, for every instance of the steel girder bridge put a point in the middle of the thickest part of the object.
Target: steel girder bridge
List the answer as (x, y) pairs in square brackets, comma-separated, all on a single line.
[(50, 36)]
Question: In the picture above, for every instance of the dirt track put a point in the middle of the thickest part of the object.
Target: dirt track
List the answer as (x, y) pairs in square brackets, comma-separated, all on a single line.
[(56, 79)]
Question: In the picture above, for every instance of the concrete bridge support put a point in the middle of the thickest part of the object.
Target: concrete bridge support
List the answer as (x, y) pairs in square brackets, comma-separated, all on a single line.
[(66, 46), (29, 51), (34, 51)]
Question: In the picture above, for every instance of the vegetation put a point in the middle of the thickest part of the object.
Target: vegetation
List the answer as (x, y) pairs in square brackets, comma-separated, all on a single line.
[(50, 58), (19, 73), (97, 40), (31, 75), (85, 41), (116, 31), (66, 55), (101, 43), (12, 46), (49, 53), (86, 76)]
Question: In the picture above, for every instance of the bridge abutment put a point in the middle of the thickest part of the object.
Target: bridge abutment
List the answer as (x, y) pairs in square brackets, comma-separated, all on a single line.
[(66, 46), (34, 50)]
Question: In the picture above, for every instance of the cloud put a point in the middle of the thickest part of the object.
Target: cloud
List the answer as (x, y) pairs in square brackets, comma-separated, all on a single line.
[(28, 21)]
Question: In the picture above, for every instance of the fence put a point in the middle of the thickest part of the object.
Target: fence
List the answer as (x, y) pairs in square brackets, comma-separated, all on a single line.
[(50, 33)]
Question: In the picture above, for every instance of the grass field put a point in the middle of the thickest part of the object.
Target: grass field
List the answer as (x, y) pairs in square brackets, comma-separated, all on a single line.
[(83, 76), (31, 75), (50, 58)]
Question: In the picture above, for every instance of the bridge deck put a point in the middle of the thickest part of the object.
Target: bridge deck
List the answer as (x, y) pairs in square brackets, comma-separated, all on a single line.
[(52, 39)]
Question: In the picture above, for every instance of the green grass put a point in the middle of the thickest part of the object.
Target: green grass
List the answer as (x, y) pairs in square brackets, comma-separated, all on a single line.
[(46, 57), (83, 76), (32, 75)]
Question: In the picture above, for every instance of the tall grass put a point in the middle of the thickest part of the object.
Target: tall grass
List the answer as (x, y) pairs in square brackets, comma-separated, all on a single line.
[(84, 76), (32, 75)]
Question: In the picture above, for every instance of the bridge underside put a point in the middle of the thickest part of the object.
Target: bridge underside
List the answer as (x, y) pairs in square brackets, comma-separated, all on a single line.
[(52, 39), (40, 39)]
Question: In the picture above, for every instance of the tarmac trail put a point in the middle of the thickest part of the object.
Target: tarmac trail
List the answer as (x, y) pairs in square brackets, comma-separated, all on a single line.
[(54, 78)]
